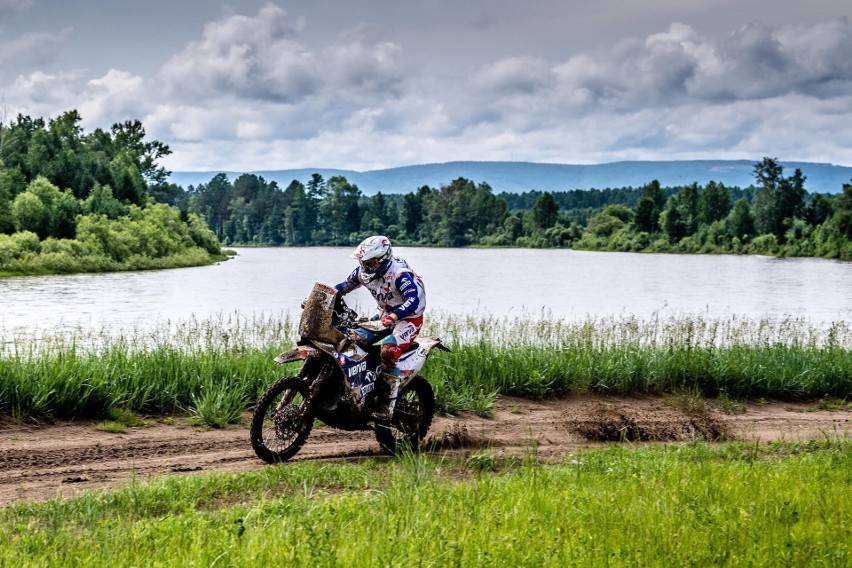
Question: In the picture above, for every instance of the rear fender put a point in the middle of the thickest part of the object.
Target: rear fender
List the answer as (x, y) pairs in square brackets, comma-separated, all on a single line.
[(411, 362), (430, 343)]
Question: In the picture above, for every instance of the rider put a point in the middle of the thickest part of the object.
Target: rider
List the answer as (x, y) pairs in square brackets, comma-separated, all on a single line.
[(401, 299)]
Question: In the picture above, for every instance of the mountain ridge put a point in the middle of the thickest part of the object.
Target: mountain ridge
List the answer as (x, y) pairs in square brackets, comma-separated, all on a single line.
[(517, 177)]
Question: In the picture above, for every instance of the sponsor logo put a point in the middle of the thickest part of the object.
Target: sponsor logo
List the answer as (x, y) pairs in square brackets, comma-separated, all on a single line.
[(357, 369), (405, 333)]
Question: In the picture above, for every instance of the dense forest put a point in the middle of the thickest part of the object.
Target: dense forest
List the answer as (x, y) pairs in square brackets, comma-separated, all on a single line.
[(775, 216), (81, 202)]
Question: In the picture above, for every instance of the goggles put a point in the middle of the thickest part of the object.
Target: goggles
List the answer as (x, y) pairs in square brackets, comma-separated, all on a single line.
[(371, 265)]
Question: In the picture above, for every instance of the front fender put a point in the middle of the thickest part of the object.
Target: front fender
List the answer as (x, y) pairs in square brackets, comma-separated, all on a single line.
[(298, 353)]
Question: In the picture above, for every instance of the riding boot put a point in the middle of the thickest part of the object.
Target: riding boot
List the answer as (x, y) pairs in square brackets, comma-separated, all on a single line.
[(384, 408)]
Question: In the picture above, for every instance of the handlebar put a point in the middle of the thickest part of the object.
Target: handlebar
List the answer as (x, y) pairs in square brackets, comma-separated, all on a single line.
[(346, 319)]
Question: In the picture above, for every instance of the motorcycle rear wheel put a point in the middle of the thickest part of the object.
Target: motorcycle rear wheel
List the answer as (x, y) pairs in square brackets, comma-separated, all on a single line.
[(281, 421), (412, 416)]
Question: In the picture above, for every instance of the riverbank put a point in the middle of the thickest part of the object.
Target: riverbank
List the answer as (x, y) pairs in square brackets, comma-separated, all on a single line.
[(94, 265)]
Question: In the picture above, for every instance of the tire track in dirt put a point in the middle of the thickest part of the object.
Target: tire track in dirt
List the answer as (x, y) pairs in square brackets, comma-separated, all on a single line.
[(43, 461)]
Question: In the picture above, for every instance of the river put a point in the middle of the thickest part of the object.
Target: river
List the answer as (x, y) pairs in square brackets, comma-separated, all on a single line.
[(563, 283)]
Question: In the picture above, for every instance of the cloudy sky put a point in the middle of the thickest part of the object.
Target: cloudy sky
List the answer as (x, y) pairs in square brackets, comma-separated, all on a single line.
[(367, 84)]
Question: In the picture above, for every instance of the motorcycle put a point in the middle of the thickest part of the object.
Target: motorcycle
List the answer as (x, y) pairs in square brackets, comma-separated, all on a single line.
[(340, 382)]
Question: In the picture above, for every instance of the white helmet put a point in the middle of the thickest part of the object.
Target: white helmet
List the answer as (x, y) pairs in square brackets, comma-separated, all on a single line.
[(374, 255)]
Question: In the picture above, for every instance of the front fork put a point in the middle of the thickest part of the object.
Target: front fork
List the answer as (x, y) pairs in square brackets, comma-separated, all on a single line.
[(318, 381), (315, 386)]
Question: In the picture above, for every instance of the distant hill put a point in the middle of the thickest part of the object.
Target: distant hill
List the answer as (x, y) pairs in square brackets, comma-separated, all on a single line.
[(517, 177)]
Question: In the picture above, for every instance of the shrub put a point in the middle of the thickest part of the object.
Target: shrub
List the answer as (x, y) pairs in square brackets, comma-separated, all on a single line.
[(765, 244), (26, 241)]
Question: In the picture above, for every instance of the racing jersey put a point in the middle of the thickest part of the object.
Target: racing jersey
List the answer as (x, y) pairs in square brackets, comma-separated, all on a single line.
[(398, 290)]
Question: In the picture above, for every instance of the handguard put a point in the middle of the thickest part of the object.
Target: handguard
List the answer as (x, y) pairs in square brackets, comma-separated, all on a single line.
[(298, 353)]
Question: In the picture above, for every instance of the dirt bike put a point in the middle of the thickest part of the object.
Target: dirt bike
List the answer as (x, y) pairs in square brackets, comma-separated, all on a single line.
[(340, 382)]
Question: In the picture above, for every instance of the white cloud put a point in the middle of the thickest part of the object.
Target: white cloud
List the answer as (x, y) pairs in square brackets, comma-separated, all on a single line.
[(103, 101), (255, 58), (252, 77), (190, 123), (679, 66), (115, 97), (361, 63), (117, 82), (43, 91), (674, 94), (515, 75)]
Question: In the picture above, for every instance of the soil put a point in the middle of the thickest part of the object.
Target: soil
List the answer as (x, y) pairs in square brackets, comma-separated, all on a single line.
[(42, 461)]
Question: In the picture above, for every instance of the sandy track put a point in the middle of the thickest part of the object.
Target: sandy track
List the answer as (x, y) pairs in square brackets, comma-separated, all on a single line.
[(42, 461)]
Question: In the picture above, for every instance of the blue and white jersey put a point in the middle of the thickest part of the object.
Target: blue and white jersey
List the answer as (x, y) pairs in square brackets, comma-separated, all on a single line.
[(398, 290)]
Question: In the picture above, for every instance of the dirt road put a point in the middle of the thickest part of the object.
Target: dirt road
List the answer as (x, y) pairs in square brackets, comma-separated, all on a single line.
[(42, 461)]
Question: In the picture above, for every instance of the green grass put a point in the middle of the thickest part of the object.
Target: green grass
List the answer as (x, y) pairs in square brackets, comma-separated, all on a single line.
[(119, 420), (218, 407), (111, 426), (215, 368), (694, 504)]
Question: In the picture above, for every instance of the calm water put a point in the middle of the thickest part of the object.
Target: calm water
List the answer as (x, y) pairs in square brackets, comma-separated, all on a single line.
[(570, 284)]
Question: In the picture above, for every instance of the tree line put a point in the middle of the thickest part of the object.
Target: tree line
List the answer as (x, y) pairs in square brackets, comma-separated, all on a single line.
[(72, 201), (776, 215), (782, 218), (75, 201), (335, 212)]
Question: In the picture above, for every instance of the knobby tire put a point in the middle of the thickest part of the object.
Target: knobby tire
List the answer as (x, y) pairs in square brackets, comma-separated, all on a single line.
[(281, 421), (413, 415)]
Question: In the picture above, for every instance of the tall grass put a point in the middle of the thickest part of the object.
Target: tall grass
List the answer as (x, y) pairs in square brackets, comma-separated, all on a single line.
[(541, 356), (700, 505), (220, 363)]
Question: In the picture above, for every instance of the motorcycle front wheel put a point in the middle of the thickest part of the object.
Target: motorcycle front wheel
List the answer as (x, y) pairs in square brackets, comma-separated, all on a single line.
[(415, 408), (281, 421)]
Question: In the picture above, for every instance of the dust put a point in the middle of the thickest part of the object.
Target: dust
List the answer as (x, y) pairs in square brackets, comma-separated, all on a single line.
[(614, 423), (456, 438)]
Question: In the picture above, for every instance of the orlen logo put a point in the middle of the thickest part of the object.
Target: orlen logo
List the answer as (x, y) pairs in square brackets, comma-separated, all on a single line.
[(356, 369)]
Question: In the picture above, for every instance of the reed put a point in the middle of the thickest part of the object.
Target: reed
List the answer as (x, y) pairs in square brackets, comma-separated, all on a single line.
[(216, 367), (688, 504)]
